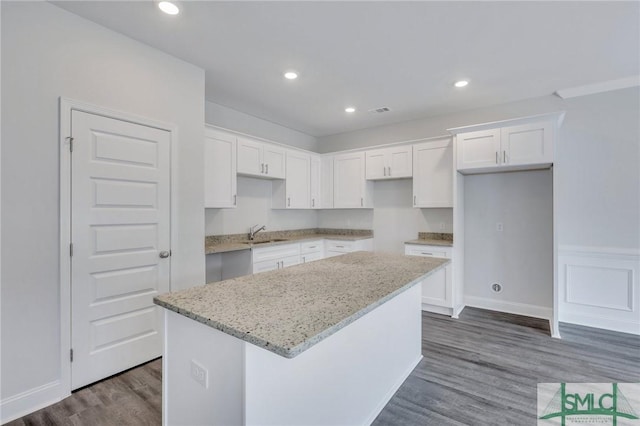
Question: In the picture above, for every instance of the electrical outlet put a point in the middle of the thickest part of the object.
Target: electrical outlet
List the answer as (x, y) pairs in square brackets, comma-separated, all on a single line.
[(199, 374), (442, 226), (499, 226)]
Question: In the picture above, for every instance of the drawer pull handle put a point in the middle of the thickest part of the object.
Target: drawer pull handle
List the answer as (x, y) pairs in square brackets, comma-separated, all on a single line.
[(340, 246), (430, 254), (312, 247), (262, 168), (266, 167)]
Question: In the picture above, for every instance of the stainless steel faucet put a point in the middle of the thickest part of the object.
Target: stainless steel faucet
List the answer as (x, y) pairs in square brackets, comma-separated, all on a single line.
[(253, 231)]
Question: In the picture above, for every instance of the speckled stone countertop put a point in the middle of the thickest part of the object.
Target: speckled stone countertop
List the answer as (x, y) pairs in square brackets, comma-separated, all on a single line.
[(234, 242), (287, 311), (433, 239)]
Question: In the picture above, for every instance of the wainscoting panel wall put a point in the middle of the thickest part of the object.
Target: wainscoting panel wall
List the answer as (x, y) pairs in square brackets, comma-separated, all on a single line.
[(599, 287)]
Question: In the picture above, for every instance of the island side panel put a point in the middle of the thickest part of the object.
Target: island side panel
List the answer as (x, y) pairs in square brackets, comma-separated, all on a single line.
[(186, 401), (347, 378)]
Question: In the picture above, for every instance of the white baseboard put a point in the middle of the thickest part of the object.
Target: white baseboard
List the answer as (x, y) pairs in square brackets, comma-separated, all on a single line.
[(509, 307), (29, 401), (436, 309), (392, 391), (604, 323), (599, 287)]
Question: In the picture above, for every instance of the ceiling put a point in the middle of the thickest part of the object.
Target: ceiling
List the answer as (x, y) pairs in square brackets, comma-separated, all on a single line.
[(402, 55)]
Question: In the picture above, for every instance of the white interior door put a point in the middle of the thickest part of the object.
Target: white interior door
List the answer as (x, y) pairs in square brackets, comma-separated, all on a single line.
[(120, 226)]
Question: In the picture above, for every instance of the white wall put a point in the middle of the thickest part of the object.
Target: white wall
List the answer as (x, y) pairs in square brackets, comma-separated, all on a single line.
[(520, 256), (47, 53), (598, 166), (222, 116), (254, 195), (254, 207)]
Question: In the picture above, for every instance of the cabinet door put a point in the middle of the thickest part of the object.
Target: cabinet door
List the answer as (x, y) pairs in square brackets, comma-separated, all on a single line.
[(274, 161), (433, 174), (316, 182), (348, 182), (326, 172), (297, 182), (266, 265), (376, 164), (219, 169), (310, 257), (250, 157), (527, 144), (399, 162), (285, 262), (437, 288), (478, 149)]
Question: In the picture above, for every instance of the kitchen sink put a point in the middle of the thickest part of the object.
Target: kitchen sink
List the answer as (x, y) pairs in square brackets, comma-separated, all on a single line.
[(275, 240)]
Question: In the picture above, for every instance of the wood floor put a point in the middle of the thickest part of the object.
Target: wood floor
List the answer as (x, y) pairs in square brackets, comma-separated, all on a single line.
[(481, 369)]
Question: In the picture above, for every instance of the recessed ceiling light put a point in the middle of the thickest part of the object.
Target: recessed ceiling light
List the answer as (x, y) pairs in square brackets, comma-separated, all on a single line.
[(168, 8), (350, 109), (290, 75), (461, 83)]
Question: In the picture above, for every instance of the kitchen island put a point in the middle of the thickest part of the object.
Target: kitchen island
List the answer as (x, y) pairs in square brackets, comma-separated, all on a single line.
[(324, 343)]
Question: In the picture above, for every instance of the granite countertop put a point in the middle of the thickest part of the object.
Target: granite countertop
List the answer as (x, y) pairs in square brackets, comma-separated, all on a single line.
[(287, 311), (236, 242), (433, 239)]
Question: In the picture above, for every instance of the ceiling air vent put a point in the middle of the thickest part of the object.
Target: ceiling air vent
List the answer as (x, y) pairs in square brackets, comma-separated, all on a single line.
[(379, 110)]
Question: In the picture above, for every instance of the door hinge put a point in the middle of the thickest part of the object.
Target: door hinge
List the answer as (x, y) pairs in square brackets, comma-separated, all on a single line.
[(70, 139), (71, 250), (71, 355)]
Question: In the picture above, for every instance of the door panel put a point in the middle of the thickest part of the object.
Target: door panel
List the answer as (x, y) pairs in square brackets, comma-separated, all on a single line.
[(375, 164), (120, 222), (478, 149), (250, 157), (220, 164), (400, 162), (297, 183), (527, 144)]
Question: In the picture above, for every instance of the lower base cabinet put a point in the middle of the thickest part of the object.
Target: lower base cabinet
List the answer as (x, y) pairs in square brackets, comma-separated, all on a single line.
[(285, 255), (437, 289)]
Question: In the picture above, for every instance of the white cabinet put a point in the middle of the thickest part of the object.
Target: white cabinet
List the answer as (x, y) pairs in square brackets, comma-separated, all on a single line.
[(437, 288), (316, 182), (220, 178), (294, 191), (519, 147), (326, 182), (433, 174), (340, 247), (389, 163), (311, 250), (275, 257), (350, 187), (260, 159)]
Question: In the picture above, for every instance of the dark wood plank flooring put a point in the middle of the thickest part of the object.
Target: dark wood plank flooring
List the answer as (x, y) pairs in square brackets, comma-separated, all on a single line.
[(481, 369)]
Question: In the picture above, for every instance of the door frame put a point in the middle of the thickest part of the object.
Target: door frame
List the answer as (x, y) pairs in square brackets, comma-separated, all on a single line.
[(68, 105)]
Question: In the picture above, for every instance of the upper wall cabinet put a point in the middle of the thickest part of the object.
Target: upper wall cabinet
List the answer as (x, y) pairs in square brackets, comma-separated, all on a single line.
[(350, 187), (389, 163), (294, 191), (515, 145), (326, 182), (316, 182), (260, 159), (433, 174), (219, 169)]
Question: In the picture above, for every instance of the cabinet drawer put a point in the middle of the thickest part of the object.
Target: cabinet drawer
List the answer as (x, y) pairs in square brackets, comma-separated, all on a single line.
[(340, 246), (261, 254), (431, 251), (312, 247)]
